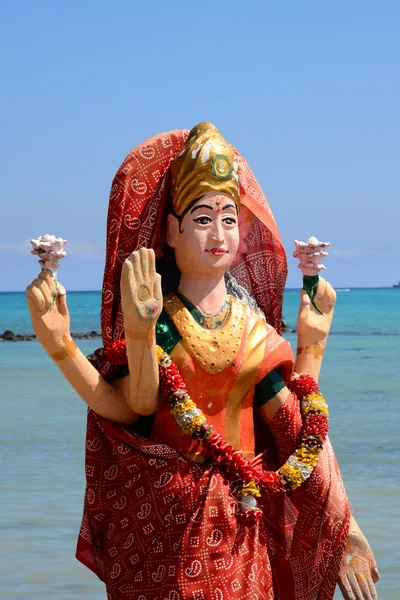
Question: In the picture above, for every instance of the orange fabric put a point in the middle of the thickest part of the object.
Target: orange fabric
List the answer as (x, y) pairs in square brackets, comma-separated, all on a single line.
[(226, 398)]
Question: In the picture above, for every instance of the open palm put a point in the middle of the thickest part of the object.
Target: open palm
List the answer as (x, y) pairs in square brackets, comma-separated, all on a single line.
[(140, 291)]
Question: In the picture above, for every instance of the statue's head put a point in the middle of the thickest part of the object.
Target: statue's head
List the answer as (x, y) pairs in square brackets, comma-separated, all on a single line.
[(203, 198), (203, 225)]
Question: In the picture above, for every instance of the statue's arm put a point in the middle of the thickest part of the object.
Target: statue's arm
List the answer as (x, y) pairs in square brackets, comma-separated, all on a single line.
[(51, 323), (313, 325), (142, 305)]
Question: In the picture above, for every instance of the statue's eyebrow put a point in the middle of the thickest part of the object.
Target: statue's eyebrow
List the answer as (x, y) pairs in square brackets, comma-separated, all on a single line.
[(201, 206), (229, 206)]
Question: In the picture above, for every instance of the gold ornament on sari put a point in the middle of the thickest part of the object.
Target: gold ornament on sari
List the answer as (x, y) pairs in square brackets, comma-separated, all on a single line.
[(206, 163)]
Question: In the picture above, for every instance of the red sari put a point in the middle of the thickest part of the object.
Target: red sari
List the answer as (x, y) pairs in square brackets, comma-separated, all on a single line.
[(158, 525)]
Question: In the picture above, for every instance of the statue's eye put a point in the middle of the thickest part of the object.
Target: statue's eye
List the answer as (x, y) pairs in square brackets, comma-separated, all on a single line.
[(229, 220), (203, 220)]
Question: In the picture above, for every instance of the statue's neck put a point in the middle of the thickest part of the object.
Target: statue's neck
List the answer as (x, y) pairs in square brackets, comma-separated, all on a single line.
[(208, 295)]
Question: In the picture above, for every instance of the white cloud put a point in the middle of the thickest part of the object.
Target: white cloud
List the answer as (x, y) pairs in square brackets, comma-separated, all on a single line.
[(354, 252), (17, 248), (86, 250)]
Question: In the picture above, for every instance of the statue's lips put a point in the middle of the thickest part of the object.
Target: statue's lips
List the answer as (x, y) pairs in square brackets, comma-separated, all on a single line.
[(217, 251)]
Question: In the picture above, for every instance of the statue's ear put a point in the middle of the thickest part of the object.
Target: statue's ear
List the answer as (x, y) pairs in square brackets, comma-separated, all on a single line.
[(172, 230)]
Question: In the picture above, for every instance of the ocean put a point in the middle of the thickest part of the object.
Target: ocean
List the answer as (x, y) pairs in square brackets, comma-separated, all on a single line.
[(43, 437)]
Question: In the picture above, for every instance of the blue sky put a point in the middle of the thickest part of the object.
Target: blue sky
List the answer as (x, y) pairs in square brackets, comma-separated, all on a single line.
[(307, 91)]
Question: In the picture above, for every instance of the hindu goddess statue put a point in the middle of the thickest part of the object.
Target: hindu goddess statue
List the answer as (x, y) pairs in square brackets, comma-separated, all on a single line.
[(210, 475)]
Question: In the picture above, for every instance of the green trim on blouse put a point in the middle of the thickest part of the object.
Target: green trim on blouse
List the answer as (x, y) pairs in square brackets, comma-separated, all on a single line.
[(267, 388), (211, 322), (167, 335)]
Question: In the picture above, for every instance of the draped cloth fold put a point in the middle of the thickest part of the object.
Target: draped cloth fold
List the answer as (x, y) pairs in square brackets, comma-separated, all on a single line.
[(157, 526)]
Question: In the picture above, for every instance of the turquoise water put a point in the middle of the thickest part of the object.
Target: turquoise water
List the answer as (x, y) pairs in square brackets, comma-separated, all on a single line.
[(43, 433)]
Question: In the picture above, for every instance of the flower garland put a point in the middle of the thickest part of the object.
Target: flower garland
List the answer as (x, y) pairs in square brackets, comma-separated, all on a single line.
[(250, 481)]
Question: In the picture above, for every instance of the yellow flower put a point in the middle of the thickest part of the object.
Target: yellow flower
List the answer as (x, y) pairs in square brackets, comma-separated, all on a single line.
[(292, 475), (307, 456), (190, 428), (314, 402), (181, 407), (248, 489)]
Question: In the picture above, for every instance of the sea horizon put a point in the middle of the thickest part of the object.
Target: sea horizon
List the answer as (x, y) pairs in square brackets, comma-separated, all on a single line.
[(337, 288)]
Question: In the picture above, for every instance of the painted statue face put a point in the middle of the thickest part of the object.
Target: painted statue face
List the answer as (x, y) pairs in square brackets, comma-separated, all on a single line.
[(207, 238)]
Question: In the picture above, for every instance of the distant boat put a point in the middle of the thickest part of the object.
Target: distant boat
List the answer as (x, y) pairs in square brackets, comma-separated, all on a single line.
[(396, 285)]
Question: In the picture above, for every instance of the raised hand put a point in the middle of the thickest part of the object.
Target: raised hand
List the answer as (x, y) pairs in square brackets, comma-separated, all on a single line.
[(49, 312), (315, 319), (358, 572), (141, 293)]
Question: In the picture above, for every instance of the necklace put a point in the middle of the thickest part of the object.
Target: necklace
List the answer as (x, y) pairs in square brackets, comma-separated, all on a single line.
[(206, 321)]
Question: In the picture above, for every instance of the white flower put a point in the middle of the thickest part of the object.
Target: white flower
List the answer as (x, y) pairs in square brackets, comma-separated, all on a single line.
[(310, 254), (50, 250)]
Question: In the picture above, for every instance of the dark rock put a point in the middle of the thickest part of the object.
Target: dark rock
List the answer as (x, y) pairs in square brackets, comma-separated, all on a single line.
[(86, 336), (8, 336)]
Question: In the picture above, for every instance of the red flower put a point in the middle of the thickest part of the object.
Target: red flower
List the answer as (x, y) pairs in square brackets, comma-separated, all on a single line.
[(316, 424), (116, 352), (249, 517), (270, 482), (303, 386), (171, 380)]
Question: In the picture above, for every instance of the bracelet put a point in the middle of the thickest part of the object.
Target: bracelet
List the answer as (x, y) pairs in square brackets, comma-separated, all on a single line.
[(317, 349), (69, 349), (138, 336), (310, 286)]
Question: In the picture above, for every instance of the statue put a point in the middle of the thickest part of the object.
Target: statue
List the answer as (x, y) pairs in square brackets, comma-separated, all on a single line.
[(209, 472)]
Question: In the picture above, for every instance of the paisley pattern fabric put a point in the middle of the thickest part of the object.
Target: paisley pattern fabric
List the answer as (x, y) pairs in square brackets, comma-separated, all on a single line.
[(157, 526)]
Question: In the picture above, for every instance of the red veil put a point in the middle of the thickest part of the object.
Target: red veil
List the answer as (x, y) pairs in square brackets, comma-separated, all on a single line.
[(148, 511), (137, 218)]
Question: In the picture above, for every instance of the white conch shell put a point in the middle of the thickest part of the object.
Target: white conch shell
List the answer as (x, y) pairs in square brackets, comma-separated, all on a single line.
[(50, 250), (310, 254)]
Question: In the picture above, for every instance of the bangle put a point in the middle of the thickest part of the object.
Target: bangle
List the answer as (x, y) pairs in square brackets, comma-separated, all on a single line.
[(69, 349), (138, 336), (317, 349), (310, 286)]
